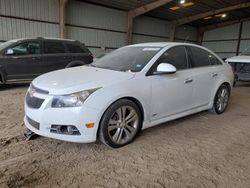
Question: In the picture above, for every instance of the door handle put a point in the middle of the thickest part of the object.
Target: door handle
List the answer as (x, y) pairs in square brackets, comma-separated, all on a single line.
[(214, 74), (188, 80)]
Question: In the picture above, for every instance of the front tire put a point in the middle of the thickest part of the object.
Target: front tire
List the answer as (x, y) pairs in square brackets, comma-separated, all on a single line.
[(221, 99), (120, 124)]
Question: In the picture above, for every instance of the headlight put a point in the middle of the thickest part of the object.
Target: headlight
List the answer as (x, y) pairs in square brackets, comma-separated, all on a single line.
[(73, 100)]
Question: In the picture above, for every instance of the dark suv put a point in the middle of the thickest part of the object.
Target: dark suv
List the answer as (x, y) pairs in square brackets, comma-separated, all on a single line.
[(25, 59)]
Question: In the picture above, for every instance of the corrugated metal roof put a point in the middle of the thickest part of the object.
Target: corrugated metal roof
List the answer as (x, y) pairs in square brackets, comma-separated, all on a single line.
[(200, 6)]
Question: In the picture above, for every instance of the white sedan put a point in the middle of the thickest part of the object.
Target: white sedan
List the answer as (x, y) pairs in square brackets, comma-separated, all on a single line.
[(130, 89)]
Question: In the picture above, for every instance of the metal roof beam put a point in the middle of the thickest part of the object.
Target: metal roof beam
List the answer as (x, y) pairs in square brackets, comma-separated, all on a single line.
[(223, 24), (210, 13), (148, 7)]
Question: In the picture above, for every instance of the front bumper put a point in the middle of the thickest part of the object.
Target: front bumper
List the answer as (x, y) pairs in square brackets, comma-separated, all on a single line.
[(45, 116)]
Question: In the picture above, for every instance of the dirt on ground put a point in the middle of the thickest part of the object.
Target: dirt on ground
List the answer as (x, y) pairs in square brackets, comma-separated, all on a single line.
[(202, 150)]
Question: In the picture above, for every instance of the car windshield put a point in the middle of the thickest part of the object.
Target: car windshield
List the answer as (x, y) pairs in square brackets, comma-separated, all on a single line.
[(125, 59), (6, 44), (246, 52)]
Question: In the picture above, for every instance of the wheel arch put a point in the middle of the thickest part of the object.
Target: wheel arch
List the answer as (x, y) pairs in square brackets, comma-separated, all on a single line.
[(217, 86), (138, 103), (227, 84)]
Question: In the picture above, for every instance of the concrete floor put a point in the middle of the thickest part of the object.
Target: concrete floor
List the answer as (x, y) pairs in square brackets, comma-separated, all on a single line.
[(202, 150)]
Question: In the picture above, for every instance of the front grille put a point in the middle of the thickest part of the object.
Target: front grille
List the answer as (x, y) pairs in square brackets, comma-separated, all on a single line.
[(33, 123), (34, 102)]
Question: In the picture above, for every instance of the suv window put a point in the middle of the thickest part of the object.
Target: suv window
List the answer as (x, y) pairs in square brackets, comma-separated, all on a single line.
[(176, 56), (200, 57), (53, 47), (26, 48), (75, 48)]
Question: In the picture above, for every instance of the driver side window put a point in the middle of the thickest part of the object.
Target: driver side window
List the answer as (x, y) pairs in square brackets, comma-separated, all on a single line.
[(26, 48), (175, 56)]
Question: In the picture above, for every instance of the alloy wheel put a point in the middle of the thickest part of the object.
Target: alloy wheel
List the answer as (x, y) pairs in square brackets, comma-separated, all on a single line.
[(123, 124), (222, 99)]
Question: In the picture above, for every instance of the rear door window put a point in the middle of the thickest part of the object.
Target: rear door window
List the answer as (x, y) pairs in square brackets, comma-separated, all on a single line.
[(75, 48), (53, 47), (199, 57), (213, 60)]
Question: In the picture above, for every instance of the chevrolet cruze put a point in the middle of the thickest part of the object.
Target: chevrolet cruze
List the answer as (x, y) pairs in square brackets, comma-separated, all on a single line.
[(130, 89)]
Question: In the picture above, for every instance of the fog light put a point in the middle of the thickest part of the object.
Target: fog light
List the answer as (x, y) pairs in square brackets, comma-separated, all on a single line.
[(64, 129), (70, 129)]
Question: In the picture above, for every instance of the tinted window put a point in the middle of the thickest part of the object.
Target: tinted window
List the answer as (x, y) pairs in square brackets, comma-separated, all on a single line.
[(200, 57), (175, 56), (51, 47), (213, 60), (75, 48), (26, 48)]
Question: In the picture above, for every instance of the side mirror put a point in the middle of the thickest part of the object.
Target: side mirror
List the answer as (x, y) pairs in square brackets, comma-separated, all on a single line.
[(9, 52), (165, 68)]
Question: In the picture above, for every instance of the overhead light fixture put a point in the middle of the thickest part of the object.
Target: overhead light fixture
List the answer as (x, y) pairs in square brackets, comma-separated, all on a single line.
[(188, 4), (208, 18), (175, 8), (182, 1), (218, 15), (224, 15), (183, 4)]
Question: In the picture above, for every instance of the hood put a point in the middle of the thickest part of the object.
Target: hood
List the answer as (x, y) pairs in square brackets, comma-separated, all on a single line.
[(71, 80), (239, 59)]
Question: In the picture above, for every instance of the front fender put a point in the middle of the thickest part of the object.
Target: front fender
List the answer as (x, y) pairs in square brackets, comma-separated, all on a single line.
[(104, 97)]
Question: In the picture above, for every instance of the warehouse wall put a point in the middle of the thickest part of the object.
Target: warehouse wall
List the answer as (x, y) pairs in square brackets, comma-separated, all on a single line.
[(106, 27), (28, 18), (224, 41), (100, 28), (245, 36)]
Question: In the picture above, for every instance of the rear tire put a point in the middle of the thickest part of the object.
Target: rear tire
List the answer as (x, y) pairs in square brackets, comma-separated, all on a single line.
[(120, 124), (221, 99)]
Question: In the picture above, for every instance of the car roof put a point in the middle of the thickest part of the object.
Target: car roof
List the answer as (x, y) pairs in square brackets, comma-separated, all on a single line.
[(43, 38), (162, 44)]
